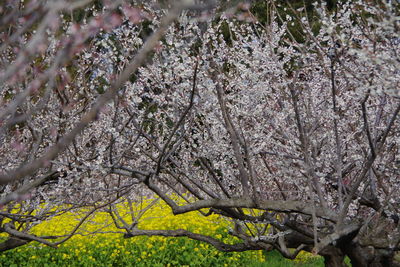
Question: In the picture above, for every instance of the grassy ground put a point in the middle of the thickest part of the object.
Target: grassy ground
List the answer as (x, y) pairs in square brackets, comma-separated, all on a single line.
[(274, 259), (112, 249)]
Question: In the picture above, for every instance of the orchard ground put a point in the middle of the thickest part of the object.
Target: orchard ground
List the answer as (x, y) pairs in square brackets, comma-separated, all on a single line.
[(100, 243)]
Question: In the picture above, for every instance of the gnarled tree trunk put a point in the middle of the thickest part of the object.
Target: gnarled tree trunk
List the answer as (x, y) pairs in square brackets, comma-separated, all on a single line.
[(333, 257)]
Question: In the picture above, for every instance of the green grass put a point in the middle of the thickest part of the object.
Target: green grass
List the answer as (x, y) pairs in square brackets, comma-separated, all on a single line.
[(146, 252), (113, 250), (274, 259)]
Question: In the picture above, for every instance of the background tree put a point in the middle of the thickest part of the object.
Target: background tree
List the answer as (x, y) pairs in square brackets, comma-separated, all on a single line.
[(295, 140), (48, 100)]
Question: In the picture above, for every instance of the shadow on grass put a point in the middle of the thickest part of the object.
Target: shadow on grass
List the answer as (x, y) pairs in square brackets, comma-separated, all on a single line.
[(274, 259)]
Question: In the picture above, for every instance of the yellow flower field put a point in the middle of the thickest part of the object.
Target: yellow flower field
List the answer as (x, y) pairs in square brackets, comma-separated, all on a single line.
[(107, 247)]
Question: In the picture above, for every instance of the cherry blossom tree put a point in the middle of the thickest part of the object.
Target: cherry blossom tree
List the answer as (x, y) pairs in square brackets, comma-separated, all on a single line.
[(50, 95), (288, 128)]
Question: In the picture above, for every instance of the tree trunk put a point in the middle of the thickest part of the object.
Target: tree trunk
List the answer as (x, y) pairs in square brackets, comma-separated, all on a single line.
[(383, 258), (11, 243), (333, 257), (334, 261), (369, 256), (359, 256)]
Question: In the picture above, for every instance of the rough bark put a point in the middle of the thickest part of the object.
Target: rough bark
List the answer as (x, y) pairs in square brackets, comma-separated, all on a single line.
[(12, 243), (333, 257), (369, 256)]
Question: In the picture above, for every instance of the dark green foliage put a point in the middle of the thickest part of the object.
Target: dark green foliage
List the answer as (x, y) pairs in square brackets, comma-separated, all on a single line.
[(169, 122), (8, 95), (133, 78), (195, 48), (263, 10), (102, 85), (226, 33), (78, 15), (146, 29), (227, 67), (149, 124)]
